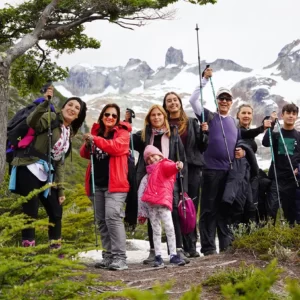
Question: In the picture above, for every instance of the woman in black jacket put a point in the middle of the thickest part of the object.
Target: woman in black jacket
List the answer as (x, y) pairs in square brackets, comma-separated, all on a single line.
[(157, 132), (258, 184), (194, 142)]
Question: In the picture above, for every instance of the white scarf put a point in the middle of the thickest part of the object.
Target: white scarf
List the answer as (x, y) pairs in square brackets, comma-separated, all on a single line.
[(62, 145)]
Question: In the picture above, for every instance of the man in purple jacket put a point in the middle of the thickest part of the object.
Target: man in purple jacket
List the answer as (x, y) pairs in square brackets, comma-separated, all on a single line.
[(218, 159)]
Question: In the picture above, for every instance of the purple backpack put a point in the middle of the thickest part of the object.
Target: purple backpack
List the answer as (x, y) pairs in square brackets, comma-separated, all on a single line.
[(187, 214)]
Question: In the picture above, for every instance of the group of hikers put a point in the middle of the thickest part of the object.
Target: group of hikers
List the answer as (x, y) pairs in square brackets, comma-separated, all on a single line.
[(212, 154)]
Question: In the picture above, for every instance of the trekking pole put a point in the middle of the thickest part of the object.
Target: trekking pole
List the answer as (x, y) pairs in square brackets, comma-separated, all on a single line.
[(132, 115), (200, 75), (286, 151), (275, 174), (221, 123), (91, 146), (43, 91), (180, 173)]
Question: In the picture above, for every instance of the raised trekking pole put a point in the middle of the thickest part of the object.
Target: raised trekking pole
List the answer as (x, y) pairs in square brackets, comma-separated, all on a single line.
[(43, 91), (181, 196), (286, 151), (91, 147), (221, 122), (199, 70), (275, 174)]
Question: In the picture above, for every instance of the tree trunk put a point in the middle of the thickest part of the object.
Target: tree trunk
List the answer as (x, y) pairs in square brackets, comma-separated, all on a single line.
[(4, 88)]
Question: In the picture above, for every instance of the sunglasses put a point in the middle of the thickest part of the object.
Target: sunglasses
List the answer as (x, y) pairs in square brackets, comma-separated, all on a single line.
[(106, 115), (227, 98)]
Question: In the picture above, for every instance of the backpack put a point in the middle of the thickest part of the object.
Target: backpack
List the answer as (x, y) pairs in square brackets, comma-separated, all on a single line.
[(19, 134), (187, 217)]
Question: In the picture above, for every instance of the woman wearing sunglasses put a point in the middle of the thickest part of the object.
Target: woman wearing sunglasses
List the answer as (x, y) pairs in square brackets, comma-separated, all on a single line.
[(108, 142)]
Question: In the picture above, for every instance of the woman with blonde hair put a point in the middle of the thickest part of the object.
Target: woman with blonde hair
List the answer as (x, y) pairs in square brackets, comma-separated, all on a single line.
[(244, 116), (157, 132)]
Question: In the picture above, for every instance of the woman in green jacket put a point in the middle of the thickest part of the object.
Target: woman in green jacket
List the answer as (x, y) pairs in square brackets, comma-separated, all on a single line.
[(30, 170)]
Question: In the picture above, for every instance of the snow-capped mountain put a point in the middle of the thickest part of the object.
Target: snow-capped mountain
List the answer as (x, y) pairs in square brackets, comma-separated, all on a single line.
[(137, 86)]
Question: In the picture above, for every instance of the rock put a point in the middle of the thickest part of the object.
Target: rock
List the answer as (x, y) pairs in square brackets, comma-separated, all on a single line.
[(174, 57), (287, 63)]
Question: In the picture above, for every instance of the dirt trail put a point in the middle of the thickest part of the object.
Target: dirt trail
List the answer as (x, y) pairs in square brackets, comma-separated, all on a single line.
[(144, 277)]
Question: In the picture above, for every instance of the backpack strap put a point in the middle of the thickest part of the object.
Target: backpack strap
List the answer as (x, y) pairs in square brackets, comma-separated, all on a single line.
[(30, 151)]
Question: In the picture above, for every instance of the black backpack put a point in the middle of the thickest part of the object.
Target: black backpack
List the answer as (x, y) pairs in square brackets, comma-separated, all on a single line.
[(17, 129)]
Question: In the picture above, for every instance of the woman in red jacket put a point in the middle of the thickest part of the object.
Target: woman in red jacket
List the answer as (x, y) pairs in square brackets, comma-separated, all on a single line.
[(109, 140)]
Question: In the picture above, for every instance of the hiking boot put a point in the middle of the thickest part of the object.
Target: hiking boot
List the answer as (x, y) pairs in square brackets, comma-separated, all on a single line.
[(118, 264), (29, 256), (158, 262), (150, 258), (181, 254), (26, 243), (194, 254), (177, 260), (105, 263), (210, 252)]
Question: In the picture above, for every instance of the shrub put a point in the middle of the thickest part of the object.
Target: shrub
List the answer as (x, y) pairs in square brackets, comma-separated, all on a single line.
[(265, 238)]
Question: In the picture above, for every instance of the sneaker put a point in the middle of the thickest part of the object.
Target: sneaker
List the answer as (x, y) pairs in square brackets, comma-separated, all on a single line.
[(194, 254), (180, 253), (158, 262), (177, 260), (26, 243), (211, 252), (105, 263), (118, 265), (150, 259), (29, 256)]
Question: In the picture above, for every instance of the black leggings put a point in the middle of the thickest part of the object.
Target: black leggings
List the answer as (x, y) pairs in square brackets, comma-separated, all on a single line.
[(26, 182)]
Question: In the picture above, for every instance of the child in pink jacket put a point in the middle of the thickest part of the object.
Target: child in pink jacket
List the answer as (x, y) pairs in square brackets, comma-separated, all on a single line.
[(155, 196)]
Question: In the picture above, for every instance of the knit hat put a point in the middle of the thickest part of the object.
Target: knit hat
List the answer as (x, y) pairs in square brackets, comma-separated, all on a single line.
[(151, 150), (223, 90)]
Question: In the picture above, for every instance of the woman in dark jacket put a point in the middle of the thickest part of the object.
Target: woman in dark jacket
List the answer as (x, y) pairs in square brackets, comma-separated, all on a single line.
[(194, 143), (109, 140), (258, 183), (30, 170), (157, 132)]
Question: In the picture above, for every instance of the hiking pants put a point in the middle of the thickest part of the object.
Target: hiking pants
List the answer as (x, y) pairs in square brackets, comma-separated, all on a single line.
[(176, 223), (194, 175), (109, 208), (158, 214), (213, 217), (26, 182), (287, 193)]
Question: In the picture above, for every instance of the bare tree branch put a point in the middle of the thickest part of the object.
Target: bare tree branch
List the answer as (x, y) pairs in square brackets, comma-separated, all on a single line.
[(140, 19), (43, 57)]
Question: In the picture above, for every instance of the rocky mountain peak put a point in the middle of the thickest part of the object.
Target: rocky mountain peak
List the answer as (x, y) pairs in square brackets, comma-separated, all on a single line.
[(174, 57), (287, 63), (132, 62)]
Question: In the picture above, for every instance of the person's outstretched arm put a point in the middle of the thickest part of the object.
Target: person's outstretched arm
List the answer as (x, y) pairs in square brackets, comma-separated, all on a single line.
[(194, 99)]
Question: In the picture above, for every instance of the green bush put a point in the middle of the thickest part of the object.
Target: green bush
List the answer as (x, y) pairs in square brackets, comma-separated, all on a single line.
[(269, 236), (254, 287)]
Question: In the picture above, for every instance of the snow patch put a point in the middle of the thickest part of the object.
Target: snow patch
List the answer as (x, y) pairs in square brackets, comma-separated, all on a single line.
[(63, 91), (296, 48), (170, 66), (108, 90)]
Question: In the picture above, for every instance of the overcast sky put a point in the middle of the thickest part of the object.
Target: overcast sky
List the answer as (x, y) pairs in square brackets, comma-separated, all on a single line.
[(250, 32)]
